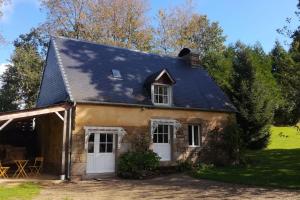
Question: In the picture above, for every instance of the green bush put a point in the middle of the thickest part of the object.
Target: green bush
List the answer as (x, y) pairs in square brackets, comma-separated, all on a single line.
[(138, 165)]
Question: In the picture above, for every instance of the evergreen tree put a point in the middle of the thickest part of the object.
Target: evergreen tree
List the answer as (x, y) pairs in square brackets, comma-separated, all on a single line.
[(286, 73), (9, 90), (253, 94), (22, 77)]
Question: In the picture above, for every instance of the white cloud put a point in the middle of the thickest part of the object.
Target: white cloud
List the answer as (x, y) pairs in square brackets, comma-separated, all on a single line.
[(9, 8), (2, 69)]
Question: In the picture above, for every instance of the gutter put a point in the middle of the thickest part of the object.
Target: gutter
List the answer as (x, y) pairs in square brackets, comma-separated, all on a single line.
[(69, 143)]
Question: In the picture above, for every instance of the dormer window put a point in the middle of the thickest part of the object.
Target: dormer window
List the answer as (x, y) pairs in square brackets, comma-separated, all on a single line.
[(161, 85), (162, 94)]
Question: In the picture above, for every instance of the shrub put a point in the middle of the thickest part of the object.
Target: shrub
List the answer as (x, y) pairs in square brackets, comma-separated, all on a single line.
[(223, 147), (184, 165), (138, 165), (140, 142)]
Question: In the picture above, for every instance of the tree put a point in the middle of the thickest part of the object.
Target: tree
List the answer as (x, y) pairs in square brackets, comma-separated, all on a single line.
[(35, 39), (115, 22), (180, 27), (253, 94), (66, 17), (22, 78), (287, 74), (170, 22), (9, 96), (219, 67)]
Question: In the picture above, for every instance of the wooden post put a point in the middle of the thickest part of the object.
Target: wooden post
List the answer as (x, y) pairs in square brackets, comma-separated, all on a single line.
[(63, 150), (69, 151)]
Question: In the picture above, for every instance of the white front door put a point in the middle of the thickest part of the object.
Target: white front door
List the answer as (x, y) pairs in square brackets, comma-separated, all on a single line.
[(161, 141), (101, 153)]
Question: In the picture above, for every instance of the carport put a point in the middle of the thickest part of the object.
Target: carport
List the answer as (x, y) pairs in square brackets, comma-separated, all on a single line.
[(45, 132)]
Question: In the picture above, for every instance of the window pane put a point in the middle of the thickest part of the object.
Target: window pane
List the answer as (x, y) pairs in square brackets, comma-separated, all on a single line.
[(165, 129), (155, 89), (156, 99), (109, 137), (160, 128), (165, 100), (160, 90), (160, 99), (102, 137), (154, 138), (102, 148), (190, 136), (196, 135), (91, 143), (166, 138), (165, 91), (160, 138), (109, 147), (91, 137), (91, 147)]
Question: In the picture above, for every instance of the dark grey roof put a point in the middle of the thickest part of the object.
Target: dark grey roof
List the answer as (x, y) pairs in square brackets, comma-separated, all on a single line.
[(87, 69)]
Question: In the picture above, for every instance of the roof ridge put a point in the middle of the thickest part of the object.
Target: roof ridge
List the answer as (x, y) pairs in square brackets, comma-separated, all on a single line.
[(117, 47), (62, 70)]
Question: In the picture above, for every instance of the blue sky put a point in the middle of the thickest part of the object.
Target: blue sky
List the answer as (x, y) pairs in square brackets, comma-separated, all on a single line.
[(248, 21)]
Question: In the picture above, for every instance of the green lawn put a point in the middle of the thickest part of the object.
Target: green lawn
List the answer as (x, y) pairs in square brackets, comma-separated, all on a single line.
[(25, 191), (277, 166), (284, 138)]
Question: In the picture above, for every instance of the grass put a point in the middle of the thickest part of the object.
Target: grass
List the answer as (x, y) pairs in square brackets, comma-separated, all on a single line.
[(25, 191), (277, 166), (284, 138)]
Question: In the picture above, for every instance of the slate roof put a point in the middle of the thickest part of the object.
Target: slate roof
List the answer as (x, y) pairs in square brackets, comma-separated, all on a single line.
[(87, 71)]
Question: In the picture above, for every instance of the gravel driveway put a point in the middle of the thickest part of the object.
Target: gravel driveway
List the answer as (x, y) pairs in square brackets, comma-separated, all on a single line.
[(177, 186)]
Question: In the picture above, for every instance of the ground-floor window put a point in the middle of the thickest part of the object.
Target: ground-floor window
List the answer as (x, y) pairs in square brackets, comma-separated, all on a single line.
[(194, 135)]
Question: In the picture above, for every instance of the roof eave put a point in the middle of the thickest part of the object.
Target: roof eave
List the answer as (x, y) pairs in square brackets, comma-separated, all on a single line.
[(155, 107)]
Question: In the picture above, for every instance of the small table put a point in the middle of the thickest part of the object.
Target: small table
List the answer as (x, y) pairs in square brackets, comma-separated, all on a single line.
[(21, 164)]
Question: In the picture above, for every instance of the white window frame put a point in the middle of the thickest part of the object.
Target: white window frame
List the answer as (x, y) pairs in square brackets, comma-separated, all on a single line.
[(171, 122), (193, 135), (163, 133), (99, 129), (169, 93)]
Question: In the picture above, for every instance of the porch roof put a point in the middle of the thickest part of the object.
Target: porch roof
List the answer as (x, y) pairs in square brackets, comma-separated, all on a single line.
[(7, 117)]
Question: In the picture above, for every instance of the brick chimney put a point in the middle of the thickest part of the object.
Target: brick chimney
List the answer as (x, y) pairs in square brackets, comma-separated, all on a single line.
[(191, 57)]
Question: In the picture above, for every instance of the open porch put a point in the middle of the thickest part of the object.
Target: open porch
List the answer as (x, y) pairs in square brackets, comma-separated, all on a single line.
[(31, 134)]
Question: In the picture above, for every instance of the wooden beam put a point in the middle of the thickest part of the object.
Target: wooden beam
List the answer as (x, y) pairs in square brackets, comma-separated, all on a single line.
[(5, 124), (59, 115), (30, 113)]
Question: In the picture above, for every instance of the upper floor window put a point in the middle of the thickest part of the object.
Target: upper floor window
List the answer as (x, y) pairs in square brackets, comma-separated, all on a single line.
[(161, 85), (162, 94)]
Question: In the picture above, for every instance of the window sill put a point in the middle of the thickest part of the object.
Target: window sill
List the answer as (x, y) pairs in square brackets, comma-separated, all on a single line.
[(194, 146), (162, 105)]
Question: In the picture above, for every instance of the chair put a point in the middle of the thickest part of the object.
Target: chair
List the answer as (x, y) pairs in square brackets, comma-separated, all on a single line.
[(3, 171), (36, 168)]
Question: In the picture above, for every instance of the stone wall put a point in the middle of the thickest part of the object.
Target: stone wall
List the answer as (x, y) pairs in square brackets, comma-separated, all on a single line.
[(137, 120)]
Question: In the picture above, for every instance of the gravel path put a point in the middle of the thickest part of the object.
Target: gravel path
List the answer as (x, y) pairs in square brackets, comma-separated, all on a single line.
[(177, 186)]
